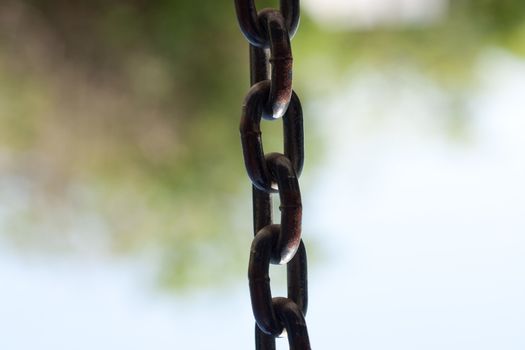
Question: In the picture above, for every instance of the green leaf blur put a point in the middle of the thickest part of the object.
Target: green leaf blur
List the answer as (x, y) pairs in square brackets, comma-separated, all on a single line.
[(119, 120)]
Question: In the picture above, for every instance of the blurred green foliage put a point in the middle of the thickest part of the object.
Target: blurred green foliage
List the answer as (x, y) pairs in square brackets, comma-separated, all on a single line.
[(121, 117)]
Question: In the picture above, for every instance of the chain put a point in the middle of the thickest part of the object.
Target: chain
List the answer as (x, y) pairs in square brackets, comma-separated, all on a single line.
[(271, 97)]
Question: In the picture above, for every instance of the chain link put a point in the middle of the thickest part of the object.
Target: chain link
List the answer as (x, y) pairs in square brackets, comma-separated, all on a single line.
[(250, 25), (271, 97), (251, 137), (282, 62)]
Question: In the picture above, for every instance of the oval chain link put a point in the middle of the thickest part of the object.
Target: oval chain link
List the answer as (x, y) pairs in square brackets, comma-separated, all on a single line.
[(281, 60), (251, 136), (258, 274)]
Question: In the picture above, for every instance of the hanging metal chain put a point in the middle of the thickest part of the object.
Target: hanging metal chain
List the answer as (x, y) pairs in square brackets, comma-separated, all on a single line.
[(271, 97)]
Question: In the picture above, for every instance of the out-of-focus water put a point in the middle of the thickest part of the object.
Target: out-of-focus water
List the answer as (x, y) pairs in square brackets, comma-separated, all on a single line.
[(423, 237)]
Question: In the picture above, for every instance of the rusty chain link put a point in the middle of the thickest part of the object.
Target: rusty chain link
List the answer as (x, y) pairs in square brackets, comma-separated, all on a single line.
[(271, 97)]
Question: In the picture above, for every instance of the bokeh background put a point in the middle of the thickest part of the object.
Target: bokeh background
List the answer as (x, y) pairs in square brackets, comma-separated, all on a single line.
[(125, 217)]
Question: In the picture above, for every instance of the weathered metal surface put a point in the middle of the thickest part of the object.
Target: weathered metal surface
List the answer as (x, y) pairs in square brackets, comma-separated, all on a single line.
[(271, 97)]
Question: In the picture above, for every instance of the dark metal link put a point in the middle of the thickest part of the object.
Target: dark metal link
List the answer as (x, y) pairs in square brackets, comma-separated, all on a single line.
[(293, 134), (259, 64), (258, 274), (262, 209), (251, 138), (263, 341), (294, 323), (291, 12), (297, 279), (293, 319), (282, 62), (248, 20), (291, 207)]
